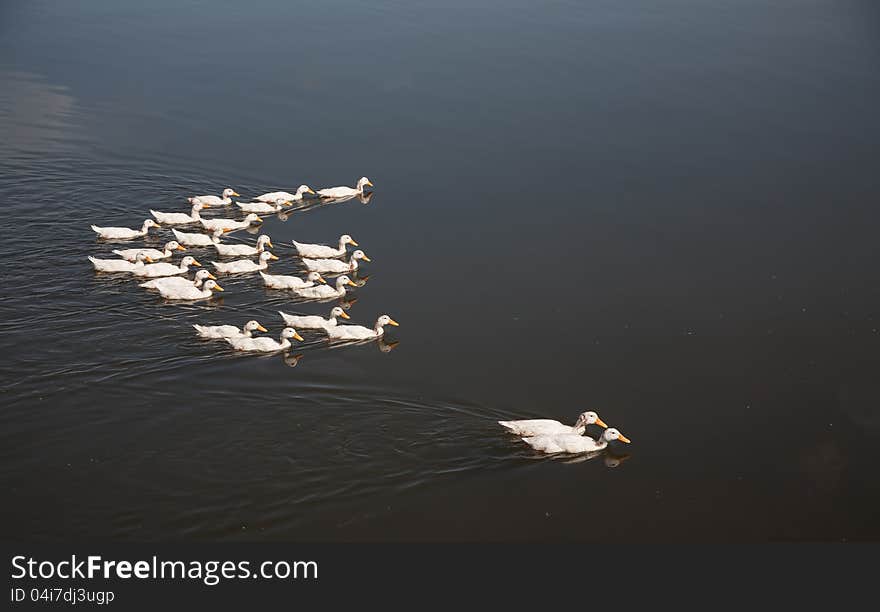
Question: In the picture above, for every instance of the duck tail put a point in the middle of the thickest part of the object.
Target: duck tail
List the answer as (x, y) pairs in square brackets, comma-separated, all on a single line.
[(96, 229)]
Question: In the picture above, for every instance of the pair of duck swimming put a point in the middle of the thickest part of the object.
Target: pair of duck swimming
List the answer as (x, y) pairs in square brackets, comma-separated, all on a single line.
[(552, 437), (242, 338)]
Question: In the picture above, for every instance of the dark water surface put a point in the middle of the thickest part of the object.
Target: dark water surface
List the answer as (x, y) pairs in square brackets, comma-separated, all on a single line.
[(668, 214)]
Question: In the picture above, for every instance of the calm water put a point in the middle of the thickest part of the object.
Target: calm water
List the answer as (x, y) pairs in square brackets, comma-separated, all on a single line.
[(668, 215)]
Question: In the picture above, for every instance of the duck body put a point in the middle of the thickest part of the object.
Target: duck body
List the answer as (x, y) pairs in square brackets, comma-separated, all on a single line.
[(263, 344), (167, 269), (229, 224), (217, 332), (197, 239), (313, 321), (274, 196), (178, 281), (117, 265), (184, 292), (280, 281), (540, 427), (176, 218), (330, 265), (335, 265), (341, 192), (571, 443), (189, 292), (261, 207), (352, 332), (231, 250), (324, 292), (154, 254), (244, 265), (123, 233), (212, 200), (564, 443), (321, 251), (359, 332)]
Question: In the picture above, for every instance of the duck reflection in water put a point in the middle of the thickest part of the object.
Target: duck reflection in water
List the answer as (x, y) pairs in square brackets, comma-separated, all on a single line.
[(311, 203), (610, 460), (347, 302), (291, 360)]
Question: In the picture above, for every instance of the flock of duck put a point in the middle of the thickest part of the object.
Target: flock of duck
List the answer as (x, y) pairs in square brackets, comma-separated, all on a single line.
[(171, 280)]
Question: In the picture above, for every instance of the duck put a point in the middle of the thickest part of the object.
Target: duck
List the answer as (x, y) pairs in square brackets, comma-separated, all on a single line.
[(178, 281), (263, 344), (540, 427), (190, 292), (263, 207), (319, 251), (154, 254), (176, 218), (124, 233), (228, 225), (324, 291), (339, 192), (212, 200), (245, 265), (274, 196), (167, 269), (335, 265), (119, 265), (314, 321), (229, 250), (573, 443), (216, 332), (359, 332), (277, 281)]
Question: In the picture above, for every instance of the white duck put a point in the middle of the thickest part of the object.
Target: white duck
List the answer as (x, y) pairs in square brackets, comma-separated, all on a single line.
[(540, 427), (278, 281), (359, 332), (317, 251), (119, 265), (573, 443), (178, 281), (274, 196), (167, 269), (229, 250), (245, 265), (340, 192), (228, 225), (263, 344), (176, 218), (198, 239), (124, 233), (165, 253), (335, 265), (190, 292), (213, 200), (263, 207), (314, 321), (321, 292), (216, 332)]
